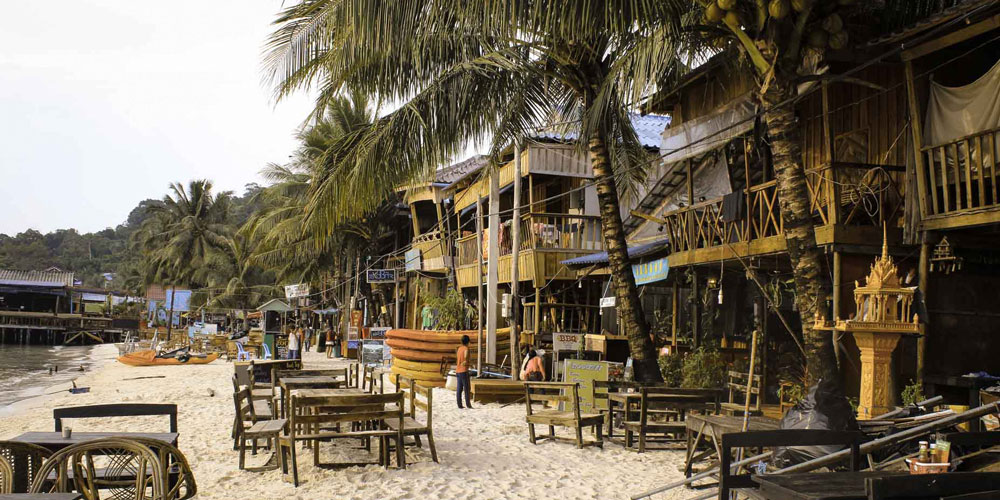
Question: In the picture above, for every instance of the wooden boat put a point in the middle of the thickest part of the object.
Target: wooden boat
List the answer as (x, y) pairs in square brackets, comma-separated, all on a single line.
[(148, 358)]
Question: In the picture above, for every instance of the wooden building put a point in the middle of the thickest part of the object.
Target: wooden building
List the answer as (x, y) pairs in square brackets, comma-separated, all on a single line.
[(45, 307), (868, 166)]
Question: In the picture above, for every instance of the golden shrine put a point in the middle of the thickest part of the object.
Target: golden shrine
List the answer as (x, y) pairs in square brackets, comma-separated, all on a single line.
[(884, 314)]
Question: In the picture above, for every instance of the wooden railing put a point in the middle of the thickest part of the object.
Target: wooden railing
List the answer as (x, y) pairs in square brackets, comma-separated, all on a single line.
[(961, 175), (701, 225), (541, 231)]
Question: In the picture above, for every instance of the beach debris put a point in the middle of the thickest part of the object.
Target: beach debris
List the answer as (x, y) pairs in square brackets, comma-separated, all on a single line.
[(211, 393), (81, 368), (141, 378), (78, 390)]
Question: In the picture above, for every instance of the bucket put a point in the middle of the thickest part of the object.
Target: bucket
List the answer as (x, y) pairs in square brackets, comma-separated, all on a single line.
[(452, 381)]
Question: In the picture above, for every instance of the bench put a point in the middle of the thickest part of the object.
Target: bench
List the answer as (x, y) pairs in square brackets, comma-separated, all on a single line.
[(743, 484), (319, 413), (116, 410), (568, 394), (737, 384), (670, 405), (417, 397)]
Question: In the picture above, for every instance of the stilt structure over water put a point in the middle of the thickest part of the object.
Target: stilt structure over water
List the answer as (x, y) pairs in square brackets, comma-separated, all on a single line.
[(45, 307)]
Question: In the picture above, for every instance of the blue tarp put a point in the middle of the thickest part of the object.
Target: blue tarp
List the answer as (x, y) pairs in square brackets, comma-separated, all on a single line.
[(635, 252)]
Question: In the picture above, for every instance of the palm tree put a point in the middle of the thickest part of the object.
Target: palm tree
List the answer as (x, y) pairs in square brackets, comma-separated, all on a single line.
[(183, 233), (472, 71)]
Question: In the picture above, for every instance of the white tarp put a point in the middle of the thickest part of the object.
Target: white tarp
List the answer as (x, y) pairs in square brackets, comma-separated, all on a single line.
[(711, 181), (703, 134), (954, 112)]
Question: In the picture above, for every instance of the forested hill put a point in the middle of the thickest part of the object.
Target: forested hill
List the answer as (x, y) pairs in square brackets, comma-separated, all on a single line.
[(91, 255)]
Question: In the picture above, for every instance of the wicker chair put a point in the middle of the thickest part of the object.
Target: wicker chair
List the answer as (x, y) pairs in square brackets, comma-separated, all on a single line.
[(180, 483), (6, 477), (19, 455), (104, 468)]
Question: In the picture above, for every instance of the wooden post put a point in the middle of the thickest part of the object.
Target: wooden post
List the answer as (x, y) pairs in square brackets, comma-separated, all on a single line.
[(916, 133), (396, 319), (447, 248), (695, 310), (479, 283), (413, 218), (492, 271), (515, 238), (833, 194), (170, 315), (923, 274), (675, 299), (836, 304)]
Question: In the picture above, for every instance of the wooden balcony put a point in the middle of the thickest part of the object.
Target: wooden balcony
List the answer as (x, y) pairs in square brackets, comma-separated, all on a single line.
[(849, 204), (433, 251), (960, 182), (546, 240)]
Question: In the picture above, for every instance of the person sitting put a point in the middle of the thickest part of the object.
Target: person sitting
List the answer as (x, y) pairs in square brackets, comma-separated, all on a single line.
[(534, 369)]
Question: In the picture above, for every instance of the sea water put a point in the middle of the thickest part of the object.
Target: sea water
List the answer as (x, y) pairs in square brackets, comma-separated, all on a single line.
[(24, 370)]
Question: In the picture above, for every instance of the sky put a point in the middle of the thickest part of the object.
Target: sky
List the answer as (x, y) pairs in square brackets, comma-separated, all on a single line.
[(104, 103)]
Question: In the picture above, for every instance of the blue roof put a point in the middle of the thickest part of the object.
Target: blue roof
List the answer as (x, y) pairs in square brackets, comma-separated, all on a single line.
[(649, 129), (636, 252)]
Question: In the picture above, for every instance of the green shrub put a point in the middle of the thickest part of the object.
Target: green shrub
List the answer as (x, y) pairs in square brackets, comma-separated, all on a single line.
[(671, 368), (704, 369), (451, 311), (912, 393)]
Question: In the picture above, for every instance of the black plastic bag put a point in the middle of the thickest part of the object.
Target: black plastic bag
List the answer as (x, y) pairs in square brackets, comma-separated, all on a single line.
[(824, 408)]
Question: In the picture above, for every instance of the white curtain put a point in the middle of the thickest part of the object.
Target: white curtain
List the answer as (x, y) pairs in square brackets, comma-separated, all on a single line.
[(954, 112)]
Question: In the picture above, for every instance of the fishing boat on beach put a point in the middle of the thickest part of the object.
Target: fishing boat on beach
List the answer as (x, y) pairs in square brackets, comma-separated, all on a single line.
[(151, 358)]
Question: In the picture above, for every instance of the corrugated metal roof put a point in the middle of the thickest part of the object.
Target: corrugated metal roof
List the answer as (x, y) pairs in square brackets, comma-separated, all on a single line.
[(636, 252), (456, 171), (36, 278), (929, 21), (649, 129)]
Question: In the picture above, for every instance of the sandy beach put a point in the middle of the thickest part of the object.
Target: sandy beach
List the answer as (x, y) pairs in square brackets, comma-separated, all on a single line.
[(484, 452)]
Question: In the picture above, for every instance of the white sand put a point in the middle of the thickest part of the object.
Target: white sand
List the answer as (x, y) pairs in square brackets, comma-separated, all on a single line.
[(484, 452)]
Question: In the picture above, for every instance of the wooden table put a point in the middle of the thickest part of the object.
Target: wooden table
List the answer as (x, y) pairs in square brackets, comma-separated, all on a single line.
[(704, 428), (289, 384), (42, 496), (817, 485), (54, 441), (629, 400)]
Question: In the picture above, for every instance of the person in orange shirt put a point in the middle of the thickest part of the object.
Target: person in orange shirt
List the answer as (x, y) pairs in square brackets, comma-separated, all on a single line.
[(462, 373)]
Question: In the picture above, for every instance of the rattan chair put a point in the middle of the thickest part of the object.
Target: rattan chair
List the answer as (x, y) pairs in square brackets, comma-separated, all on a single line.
[(179, 476), (24, 460), (115, 468), (6, 477)]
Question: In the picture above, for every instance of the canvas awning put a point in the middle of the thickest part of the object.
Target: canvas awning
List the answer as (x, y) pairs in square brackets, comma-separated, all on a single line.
[(634, 252), (703, 134)]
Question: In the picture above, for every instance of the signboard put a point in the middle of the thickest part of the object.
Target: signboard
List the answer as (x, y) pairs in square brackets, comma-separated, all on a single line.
[(199, 328), (566, 341), (381, 275), (585, 373), (412, 260), (296, 291), (280, 346), (378, 332), (608, 301), (371, 352), (650, 272)]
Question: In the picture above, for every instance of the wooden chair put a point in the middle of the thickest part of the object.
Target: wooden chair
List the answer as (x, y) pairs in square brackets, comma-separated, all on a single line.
[(129, 468), (417, 397), (116, 410), (737, 384), (244, 377), (373, 380), (24, 460), (319, 416), (253, 427), (353, 375), (668, 405), (932, 486), (567, 393), (729, 481), (601, 389)]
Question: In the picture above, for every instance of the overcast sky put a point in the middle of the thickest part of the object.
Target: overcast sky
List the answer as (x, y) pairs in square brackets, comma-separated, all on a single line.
[(103, 103)]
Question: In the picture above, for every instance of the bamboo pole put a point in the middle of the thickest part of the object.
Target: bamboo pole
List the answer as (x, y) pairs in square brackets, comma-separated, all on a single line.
[(479, 284), (515, 234)]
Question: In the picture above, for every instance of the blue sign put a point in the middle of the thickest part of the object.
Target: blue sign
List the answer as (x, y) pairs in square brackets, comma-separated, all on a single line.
[(412, 257), (650, 272), (381, 275)]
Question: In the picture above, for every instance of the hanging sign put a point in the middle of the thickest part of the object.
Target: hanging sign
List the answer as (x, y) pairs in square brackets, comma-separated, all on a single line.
[(566, 341), (296, 291), (381, 276), (650, 272), (378, 332), (608, 301), (412, 260)]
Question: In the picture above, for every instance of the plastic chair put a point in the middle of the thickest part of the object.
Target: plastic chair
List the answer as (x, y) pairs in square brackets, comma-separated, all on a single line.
[(267, 351), (241, 353)]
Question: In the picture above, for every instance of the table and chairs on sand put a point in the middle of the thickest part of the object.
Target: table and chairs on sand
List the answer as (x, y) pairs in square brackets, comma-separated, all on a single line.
[(64, 465), (308, 408)]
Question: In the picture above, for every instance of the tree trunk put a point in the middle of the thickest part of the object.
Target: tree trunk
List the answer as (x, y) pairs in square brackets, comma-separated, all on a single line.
[(170, 315), (800, 237), (629, 307)]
